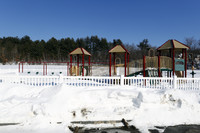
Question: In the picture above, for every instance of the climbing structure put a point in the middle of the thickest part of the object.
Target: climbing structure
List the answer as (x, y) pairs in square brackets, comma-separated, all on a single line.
[(74, 70), (177, 51), (172, 58), (119, 49)]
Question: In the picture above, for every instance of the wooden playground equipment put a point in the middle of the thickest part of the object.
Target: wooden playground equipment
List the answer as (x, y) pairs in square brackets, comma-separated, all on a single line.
[(172, 58), (117, 50), (177, 51), (76, 70)]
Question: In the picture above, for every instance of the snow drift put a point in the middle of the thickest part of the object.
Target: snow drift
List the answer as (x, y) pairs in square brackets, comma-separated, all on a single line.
[(44, 107)]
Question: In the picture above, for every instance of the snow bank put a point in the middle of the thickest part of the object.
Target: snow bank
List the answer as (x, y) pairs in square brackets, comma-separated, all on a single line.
[(41, 108), (51, 109)]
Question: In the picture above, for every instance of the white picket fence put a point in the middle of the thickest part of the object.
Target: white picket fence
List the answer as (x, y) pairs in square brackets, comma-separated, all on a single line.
[(91, 81)]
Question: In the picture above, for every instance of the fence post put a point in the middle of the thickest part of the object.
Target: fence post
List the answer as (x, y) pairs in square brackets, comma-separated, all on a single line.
[(175, 82), (19, 66), (60, 79), (122, 80)]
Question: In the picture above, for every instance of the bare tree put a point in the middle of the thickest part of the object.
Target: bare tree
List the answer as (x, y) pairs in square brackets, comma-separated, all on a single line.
[(191, 42)]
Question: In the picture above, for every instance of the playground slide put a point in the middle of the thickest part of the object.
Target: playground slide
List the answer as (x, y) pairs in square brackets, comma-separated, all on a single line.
[(135, 74), (148, 73), (178, 73)]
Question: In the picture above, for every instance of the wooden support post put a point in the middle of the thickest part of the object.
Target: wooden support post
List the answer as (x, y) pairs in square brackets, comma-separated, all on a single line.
[(22, 67), (144, 66), (83, 65), (183, 56), (186, 63), (89, 66), (91, 69), (77, 65), (70, 65), (46, 68), (110, 64), (183, 53), (67, 68), (128, 62), (19, 67), (114, 63), (125, 64), (43, 69), (159, 73), (173, 61)]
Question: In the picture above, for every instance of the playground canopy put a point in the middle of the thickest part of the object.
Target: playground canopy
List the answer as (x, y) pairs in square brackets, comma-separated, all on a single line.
[(170, 44), (80, 51), (118, 49)]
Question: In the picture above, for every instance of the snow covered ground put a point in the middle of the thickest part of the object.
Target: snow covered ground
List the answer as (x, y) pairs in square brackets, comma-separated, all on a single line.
[(51, 109)]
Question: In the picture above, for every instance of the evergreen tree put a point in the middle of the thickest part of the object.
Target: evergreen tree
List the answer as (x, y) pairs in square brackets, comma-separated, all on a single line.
[(14, 49)]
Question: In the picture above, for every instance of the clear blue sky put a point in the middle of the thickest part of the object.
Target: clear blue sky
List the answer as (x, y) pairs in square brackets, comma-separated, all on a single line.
[(128, 20)]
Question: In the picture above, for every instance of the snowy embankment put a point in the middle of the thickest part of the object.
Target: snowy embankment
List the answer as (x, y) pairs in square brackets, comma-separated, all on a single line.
[(50, 109)]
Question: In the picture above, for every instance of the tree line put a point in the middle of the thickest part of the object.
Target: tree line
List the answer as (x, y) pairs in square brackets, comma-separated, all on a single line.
[(14, 49)]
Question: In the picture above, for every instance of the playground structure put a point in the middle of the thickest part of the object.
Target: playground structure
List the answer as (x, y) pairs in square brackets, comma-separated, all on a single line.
[(117, 50), (172, 59), (75, 70), (177, 51), (167, 60)]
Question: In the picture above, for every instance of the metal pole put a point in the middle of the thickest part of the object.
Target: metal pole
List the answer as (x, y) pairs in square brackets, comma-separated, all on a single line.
[(22, 68), (70, 65), (125, 64), (43, 68), (183, 56), (128, 62), (19, 67), (89, 66), (110, 64), (185, 62), (159, 73), (67, 68), (83, 65), (77, 64), (144, 66), (46, 68), (173, 61), (114, 64)]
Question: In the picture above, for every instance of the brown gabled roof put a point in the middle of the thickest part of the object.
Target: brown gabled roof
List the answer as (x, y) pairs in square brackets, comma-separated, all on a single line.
[(173, 44), (118, 49), (80, 51)]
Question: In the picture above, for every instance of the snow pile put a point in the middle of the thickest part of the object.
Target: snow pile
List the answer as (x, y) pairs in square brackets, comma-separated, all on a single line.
[(38, 108), (170, 107)]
